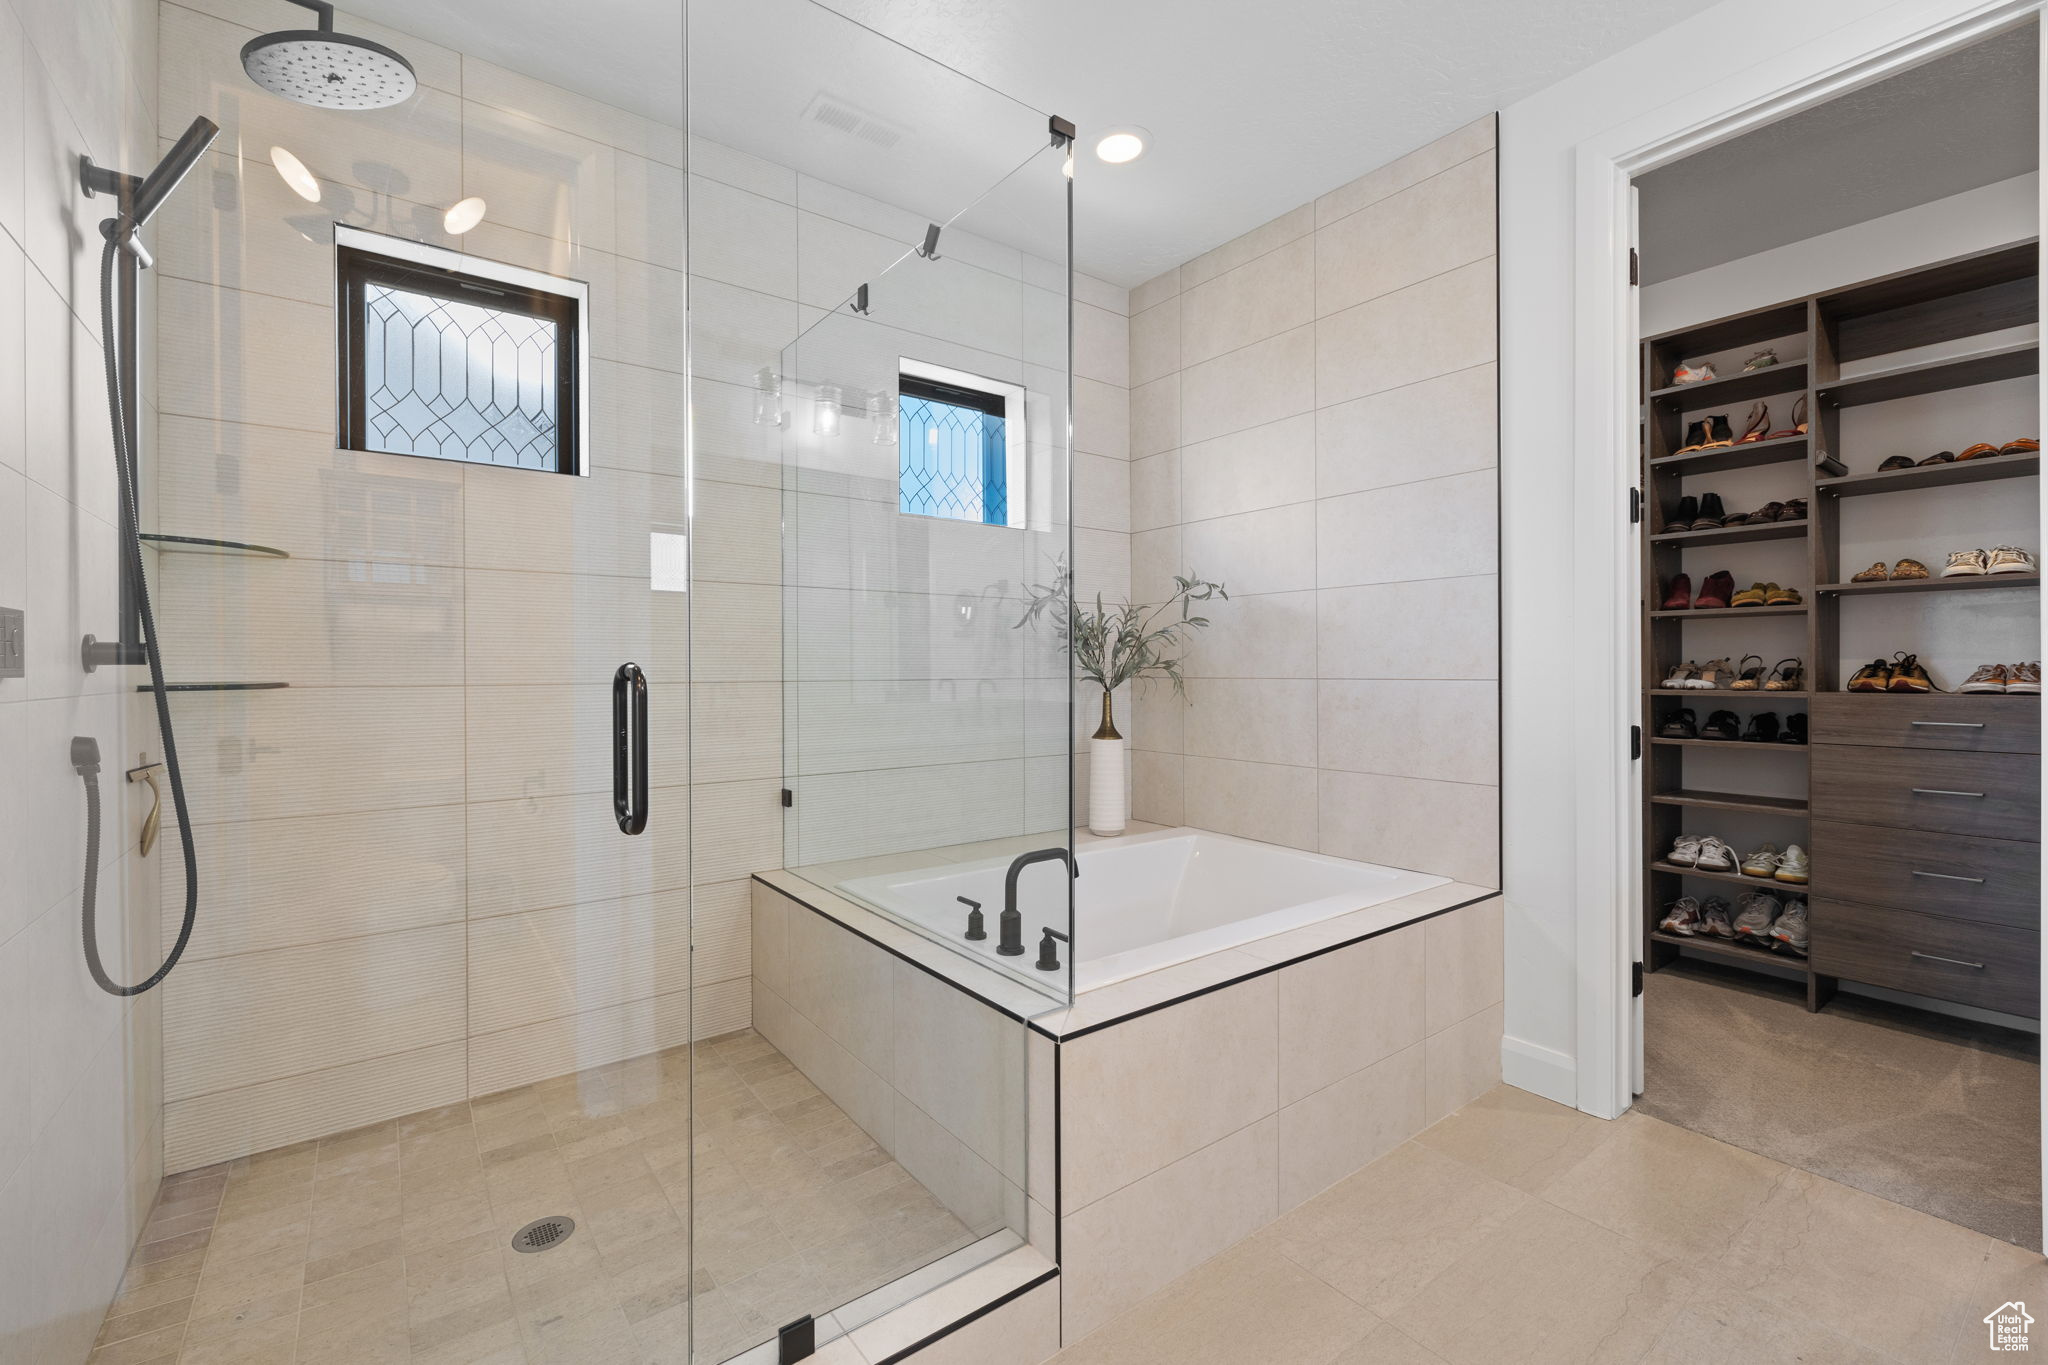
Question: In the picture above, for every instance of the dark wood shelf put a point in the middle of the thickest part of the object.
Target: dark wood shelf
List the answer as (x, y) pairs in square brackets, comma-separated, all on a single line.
[(1982, 470), (1731, 878), (1965, 583), (1762, 805), (1933, 376), (1723, 613), (1734, 950), (1740, 387), (1744, 744), (1758, 694), (1721, 459), (1731, 535)]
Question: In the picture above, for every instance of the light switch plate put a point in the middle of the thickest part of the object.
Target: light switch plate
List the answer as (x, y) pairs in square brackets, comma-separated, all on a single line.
[(13, 663)]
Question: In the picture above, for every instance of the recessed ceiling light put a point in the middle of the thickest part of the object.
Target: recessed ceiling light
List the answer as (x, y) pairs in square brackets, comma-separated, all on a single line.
[(464, 216), (295, 175), (1120, 145)]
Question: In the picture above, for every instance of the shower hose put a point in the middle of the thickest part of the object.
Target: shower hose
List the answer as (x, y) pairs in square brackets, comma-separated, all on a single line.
[(84, 751)]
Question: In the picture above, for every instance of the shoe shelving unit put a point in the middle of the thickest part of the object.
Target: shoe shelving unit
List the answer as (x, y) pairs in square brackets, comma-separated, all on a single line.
[(1918, 811)]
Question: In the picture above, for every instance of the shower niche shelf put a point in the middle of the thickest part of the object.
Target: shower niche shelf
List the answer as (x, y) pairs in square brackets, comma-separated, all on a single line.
[(214, 687), (201, 545)]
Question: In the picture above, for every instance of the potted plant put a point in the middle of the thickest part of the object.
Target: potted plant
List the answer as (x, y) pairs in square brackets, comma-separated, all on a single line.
[(1113, 646)]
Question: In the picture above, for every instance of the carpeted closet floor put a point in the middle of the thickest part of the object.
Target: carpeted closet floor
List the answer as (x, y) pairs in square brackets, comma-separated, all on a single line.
[(1938, 1114)]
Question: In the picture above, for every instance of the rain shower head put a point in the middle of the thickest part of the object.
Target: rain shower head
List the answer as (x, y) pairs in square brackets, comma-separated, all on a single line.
[(326, 69)]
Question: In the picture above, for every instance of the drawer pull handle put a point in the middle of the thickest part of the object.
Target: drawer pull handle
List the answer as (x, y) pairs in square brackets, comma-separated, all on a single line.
[(1952, 961), (1938, 791), (1952, 724), (1949, 877)]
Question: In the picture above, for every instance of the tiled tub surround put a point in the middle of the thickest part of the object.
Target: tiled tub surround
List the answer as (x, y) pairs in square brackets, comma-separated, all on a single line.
[(1175, 1113), (1313, 423)]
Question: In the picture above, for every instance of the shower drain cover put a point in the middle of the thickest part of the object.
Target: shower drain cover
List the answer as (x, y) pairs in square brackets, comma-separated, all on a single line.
[(543, 1233)]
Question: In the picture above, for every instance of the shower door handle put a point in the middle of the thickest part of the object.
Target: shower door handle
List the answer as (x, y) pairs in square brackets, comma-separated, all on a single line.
[(629, 748)]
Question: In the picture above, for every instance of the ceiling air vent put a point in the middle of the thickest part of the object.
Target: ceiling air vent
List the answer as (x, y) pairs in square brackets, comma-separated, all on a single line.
[(843, 116)]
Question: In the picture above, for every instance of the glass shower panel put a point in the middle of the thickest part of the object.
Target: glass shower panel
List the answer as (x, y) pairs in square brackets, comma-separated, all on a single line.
[(879, 337), (422, 585)]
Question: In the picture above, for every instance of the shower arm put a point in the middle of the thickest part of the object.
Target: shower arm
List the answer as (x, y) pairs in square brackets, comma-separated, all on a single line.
[(319, 7)]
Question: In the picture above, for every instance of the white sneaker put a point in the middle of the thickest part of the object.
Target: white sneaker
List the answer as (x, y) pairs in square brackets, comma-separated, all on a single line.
[(1790, 927), (1792, 865), (1715, 855), (1756, 912), (1682, 918), (1962, 563), (1762, 863), (1685, 852), (2012, 559)]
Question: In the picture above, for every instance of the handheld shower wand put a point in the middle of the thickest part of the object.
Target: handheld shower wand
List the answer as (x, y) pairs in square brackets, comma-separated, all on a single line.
[(139, 199)]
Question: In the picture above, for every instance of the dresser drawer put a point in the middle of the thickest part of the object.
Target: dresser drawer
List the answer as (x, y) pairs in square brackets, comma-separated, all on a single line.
[(1991, 881), (1990, 724), (1971, 964), (1996, 796)]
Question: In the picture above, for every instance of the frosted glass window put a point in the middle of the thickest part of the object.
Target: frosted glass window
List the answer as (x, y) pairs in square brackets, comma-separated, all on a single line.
[(460, 381)]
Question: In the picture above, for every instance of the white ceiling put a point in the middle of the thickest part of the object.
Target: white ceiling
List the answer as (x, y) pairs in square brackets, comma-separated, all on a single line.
[(1946, 126), (1253, 108)]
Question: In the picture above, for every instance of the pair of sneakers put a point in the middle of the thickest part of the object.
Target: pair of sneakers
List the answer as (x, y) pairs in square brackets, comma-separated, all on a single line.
[(1708, 853), (1999, 559), (1758, 918), (1789, 867)]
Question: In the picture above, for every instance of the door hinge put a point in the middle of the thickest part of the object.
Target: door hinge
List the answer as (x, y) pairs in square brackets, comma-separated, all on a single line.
[(1635, 979), (1635, 505), (1635, 267), (1635, 741), (788, 798)]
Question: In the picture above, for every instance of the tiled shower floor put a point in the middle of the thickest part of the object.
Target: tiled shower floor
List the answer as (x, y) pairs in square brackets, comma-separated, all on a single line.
[(391, 1243)]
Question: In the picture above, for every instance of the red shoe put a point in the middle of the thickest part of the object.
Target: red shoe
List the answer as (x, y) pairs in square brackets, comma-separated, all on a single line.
[(1680, 596), (1716, 591)]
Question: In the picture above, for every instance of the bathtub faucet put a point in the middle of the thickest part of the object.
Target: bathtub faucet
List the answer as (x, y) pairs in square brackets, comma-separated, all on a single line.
[(1011, 922)]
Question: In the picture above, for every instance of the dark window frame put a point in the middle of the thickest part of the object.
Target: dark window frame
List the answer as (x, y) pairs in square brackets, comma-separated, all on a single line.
[(355, 269)]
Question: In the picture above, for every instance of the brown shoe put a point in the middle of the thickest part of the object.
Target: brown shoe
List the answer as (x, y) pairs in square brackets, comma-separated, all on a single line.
[(1876, 573), (1751, 596), (1874, 676), (1775, 596), (1787, 675), (1987, 678), (2025, 445), (1909, 676), (1977, 451), (1940, 457), (2024, 679), (1896, 462), (1908, 569)]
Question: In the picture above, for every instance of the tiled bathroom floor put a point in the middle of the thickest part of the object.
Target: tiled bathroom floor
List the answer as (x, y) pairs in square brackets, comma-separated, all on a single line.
[(390, 1243), (1519, 1230)]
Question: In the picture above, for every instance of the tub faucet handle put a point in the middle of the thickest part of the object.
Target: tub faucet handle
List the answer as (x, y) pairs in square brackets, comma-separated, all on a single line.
[(975, 931), (1048, 955)]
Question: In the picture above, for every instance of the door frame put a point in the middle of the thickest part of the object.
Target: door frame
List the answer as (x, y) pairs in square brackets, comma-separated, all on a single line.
[(1605, 336)]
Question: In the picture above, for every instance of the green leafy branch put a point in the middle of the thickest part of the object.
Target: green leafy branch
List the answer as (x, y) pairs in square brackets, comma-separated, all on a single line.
[(1115, 645)]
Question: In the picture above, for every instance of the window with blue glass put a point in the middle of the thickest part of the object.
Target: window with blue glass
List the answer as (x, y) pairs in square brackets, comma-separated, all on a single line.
[(952, 451)]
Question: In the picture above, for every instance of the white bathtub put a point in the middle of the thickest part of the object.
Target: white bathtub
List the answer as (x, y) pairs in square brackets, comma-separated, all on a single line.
[(1142, 902)]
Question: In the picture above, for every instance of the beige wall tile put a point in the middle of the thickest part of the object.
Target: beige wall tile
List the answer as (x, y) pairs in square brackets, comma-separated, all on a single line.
[(1264, 466), (1132, 1243), (1461, 1063), (1444, 730), (1024, 1331), (1155, 341), (1451, 829), (1263, 801), (740, 238), (1270, 236), (1102, 345), (1329, 1134), (1268, 720), (1436, 225), (1440, 628), (1440, 528), (1102, 492), (557, 1047), (539, 178), (1156, 787), (1466, 968), (1144, 1094), (1102, 419), (1446, 425), (1345, 1011), (1155, 291), (1254, 552), (1443, 324), (548, 964), (1257, 635), (546, 850), (1259, 383), (1474, 139), (1155, 491), (1265, 296), (1155, 559), (1155, 416)]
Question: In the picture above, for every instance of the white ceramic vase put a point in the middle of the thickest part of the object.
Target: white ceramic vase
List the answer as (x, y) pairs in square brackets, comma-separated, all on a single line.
[(1109, 794)]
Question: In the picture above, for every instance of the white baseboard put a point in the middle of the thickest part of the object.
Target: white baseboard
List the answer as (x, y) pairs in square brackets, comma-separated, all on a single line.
[(1539, 1070)]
